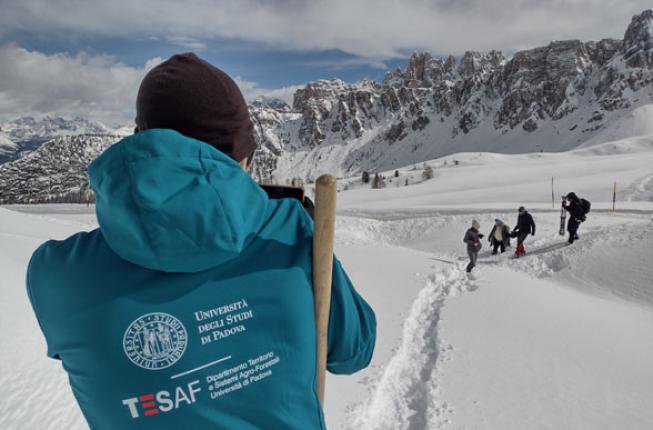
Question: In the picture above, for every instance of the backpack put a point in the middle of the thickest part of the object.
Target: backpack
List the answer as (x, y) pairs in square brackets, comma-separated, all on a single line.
[(586, 205)]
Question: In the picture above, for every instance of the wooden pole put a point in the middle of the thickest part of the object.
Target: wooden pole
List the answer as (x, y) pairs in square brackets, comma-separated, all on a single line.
[(614, 197), (323, 234)]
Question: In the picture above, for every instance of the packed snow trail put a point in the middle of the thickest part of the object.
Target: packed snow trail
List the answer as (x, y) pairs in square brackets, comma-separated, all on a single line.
[(402, 399)]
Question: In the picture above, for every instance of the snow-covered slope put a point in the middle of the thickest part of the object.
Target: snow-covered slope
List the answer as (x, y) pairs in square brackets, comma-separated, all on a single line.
[(481, 179), (560, 339), (552, 98)]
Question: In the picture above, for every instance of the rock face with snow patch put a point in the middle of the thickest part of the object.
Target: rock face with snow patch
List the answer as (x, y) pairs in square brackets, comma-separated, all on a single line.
[(638, 41)]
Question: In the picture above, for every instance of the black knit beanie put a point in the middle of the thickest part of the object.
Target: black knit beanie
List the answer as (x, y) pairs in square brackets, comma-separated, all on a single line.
[(189, 95)]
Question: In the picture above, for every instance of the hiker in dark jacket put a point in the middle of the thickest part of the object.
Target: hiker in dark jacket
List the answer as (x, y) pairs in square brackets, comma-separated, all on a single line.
[(473, 240), (572, 204), (191, 306), (499, 236), (525, 226)]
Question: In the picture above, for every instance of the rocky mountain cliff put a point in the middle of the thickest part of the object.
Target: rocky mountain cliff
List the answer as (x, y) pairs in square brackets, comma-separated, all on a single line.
[(552, 98)]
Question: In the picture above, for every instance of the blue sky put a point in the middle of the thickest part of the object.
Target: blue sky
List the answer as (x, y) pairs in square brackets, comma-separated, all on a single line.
[(87, 57), (251, 61)]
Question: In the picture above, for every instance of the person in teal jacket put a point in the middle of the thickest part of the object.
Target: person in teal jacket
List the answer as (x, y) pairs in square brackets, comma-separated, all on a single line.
[(191, 306)]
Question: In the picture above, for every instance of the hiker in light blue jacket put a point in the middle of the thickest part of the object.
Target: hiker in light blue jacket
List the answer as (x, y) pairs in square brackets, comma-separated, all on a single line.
[(191, 306)]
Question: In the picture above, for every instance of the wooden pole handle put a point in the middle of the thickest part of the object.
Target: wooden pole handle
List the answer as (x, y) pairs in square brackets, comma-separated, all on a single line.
[(323, 236)]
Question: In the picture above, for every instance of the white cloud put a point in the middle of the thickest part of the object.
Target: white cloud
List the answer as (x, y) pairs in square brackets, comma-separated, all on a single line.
[(97, 86), (252, 91), (92, 86), (345, 63), (366, 28), (187, 43)]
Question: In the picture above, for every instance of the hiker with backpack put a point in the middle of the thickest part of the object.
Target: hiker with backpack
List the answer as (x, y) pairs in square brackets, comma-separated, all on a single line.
[(499, 236), (473, 240), (578, 209), (191, 306), (525, 226)]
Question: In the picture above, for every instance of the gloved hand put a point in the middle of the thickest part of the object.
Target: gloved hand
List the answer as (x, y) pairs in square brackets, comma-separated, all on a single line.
[(481, 236), (309, 206)]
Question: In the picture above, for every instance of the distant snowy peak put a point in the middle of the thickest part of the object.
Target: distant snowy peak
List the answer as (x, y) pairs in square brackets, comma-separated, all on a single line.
[(55, 172), (29, 133), (271, 103), (7, 147), (46, 159), (47, 127), (550, 98), (6, 143)]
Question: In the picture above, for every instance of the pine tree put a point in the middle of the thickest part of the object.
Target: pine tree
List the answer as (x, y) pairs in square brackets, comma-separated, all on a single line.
[(365, 178), (378, 181)]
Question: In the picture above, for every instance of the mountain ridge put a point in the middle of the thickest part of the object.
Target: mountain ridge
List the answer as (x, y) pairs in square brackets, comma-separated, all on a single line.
[(561, 96), (483, 102)]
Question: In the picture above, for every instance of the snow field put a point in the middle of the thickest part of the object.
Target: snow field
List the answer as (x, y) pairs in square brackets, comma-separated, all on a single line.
[(545, 356), (487, 180), (534, 354), (560, 339), (34, 392)]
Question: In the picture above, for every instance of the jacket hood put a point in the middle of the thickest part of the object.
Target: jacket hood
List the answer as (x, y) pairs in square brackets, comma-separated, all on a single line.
[(168, 202)]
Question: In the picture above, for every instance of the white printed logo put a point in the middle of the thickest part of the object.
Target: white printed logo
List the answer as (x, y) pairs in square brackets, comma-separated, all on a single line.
[(155, 341), (163, 401)]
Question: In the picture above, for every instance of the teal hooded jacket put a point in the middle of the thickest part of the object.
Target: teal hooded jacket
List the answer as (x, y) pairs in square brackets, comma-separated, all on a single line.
[(191, 306)]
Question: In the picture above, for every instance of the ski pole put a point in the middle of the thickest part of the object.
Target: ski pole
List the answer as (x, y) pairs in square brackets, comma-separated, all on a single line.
[(614, 197), (323, 234)]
